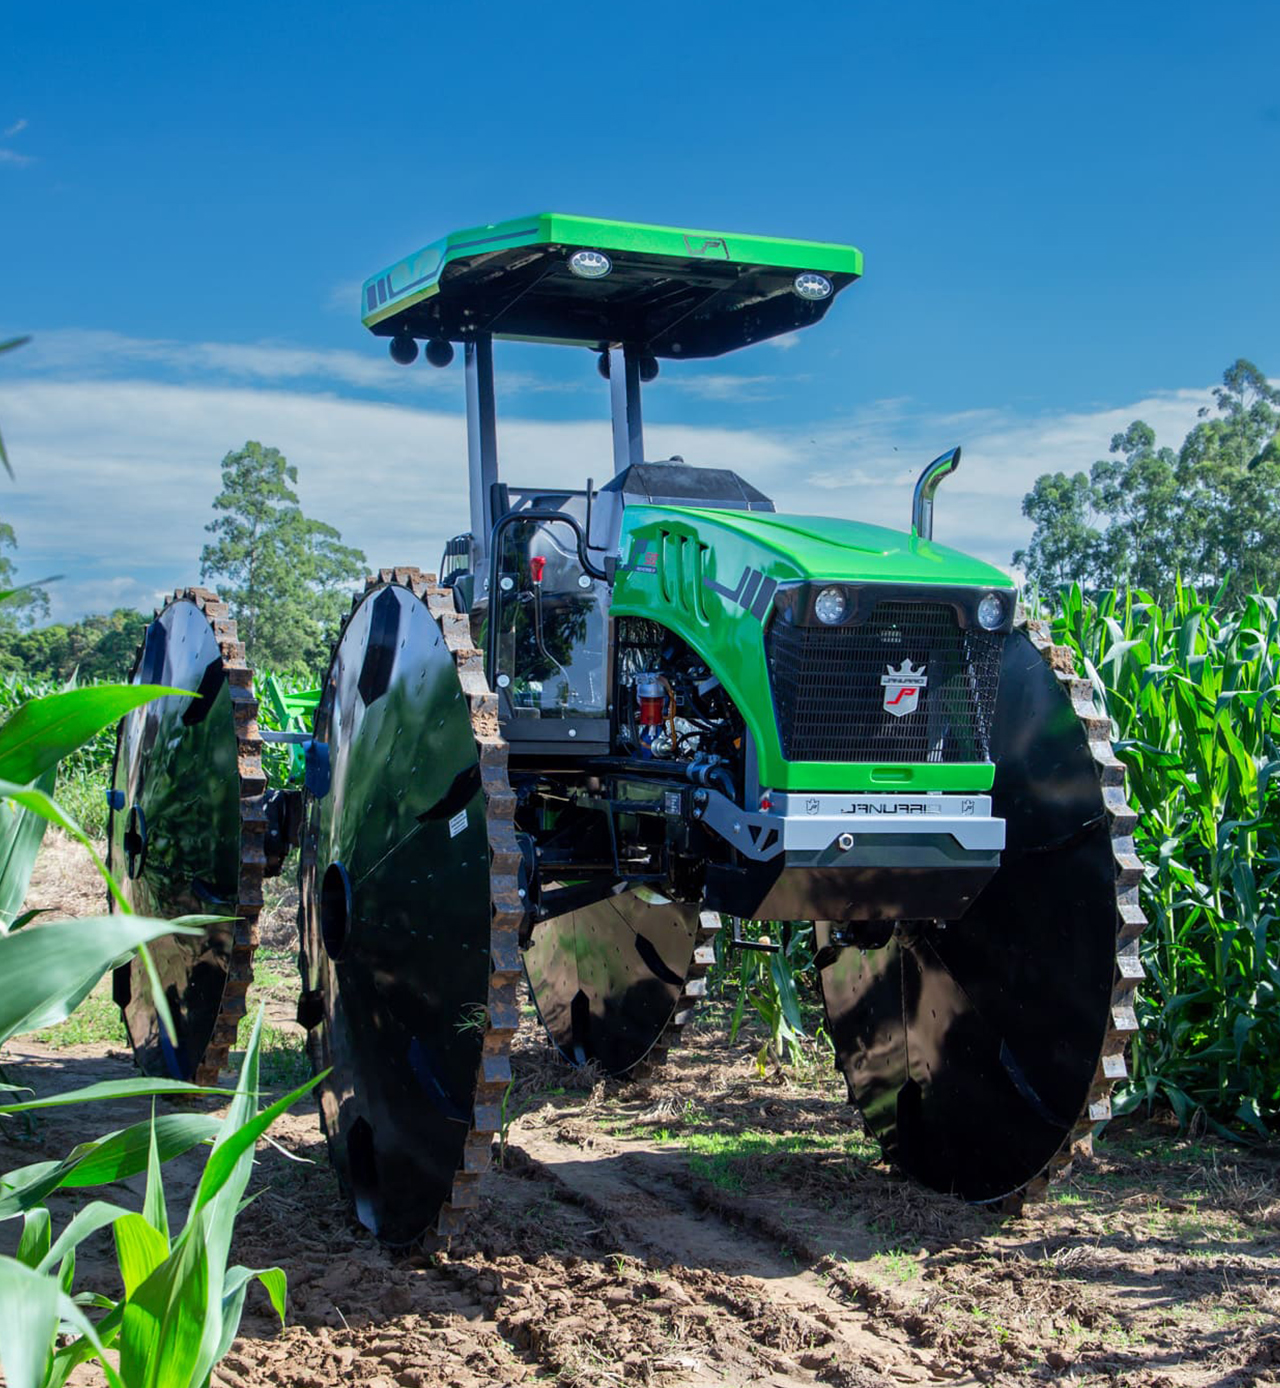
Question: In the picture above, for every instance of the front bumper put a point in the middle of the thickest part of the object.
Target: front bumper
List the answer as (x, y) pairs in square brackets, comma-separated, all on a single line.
[(852, 857)]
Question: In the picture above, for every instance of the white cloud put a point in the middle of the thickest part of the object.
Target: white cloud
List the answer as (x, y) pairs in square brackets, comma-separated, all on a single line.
[(115, 478), (71, 596), (76, 354), (11, 156), (16, 128), (980, 508), (724, 385), (343, 298), (118, 477)]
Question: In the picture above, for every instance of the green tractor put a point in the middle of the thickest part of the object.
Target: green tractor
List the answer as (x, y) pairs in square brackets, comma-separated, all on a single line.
[(620, 715)]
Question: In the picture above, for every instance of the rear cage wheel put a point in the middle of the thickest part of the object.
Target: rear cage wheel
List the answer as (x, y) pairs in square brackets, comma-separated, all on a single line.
[(407, 1141), (188, 761)]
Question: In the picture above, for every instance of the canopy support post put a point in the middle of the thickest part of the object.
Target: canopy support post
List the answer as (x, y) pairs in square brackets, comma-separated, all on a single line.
[(624, 391), (482, 447)]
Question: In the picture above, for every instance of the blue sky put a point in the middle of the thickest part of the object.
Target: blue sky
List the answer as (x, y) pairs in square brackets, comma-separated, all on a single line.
[(1069, 217)]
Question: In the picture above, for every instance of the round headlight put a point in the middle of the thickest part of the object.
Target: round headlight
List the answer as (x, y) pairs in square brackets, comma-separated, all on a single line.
[(811, 285), (439, 352), (991, 612), (830, 606), (404, 350), (590, 265)]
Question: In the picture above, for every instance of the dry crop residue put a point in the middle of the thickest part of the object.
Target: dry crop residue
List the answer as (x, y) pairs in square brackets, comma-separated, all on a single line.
[(709, 1226)]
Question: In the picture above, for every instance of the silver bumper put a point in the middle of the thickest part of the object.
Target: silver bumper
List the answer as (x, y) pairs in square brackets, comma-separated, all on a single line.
[(842, 827)]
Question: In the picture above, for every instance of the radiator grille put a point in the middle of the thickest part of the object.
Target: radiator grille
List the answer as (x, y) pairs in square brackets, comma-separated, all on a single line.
[(830, 701)]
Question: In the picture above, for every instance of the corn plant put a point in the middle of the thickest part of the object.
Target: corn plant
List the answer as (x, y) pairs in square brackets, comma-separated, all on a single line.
[(182, 1304), (287, 704), (37, 735), (764, 979), (1192, 694)]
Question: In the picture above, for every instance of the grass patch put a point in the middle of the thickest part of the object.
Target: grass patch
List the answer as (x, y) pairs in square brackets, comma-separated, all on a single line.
[(282, 1059), (96, 1021), (274, 968), (896, 1265), (1160, 1148), (732, 1161), (283, 1063)]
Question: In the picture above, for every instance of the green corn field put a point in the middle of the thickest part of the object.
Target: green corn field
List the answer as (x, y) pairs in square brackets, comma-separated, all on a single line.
[(1191, 691)]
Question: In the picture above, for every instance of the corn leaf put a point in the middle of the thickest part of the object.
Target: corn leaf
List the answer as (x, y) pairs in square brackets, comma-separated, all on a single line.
[(163, 1322), (103, 1160), (218, 1199), (36, 1234), (140, 1250), (235, 1287), (48, 969), (154, 1209), (39, 733), (126, 1153), (97, 1214), (28, 916), (785, 984), (29, 1316), (87, 1347), (117, 1089), (225, 1161), (21, 833), (38, 802), (32, 1309)]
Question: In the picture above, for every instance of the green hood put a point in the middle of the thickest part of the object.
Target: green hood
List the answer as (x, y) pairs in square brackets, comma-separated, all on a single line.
[(823, 547)]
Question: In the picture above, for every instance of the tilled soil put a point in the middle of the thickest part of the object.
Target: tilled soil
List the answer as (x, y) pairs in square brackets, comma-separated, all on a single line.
[(711, 1225)]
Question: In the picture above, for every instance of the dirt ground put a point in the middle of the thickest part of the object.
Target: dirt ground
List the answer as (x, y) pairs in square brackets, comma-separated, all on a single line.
[(714, 1226)]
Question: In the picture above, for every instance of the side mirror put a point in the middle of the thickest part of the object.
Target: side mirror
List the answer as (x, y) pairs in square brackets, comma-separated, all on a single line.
[(929, 481)]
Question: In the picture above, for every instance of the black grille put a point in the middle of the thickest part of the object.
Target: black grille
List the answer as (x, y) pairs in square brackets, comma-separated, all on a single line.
[(830, 698)]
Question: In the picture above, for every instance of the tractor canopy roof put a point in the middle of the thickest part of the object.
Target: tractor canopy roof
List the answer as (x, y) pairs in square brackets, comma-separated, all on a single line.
[(587, 282)]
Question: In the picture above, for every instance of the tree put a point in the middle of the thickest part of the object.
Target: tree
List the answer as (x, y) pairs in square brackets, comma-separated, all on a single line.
[(1066, 534), (285, 576), (1208, 512), (25, 605), (98, 647)]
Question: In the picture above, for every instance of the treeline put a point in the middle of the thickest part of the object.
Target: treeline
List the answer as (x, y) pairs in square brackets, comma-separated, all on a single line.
[(286, 576), (100, 647), (1206, 512)]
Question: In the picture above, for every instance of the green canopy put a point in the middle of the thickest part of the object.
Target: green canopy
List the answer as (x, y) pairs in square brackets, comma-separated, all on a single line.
[(669, 291)]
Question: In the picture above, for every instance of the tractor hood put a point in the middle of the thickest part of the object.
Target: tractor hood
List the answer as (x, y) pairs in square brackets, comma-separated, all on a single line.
[(721, 576), (825, 547)]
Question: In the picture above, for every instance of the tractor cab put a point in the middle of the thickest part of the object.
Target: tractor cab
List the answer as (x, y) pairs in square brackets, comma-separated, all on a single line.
[(536, 568)]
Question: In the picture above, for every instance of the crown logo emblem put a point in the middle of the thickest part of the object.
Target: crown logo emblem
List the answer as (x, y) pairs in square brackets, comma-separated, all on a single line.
[(902, 686)]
